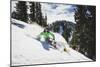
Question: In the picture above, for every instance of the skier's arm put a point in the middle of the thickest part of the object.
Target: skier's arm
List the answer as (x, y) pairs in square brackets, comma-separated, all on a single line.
[(40, 34), (52, 35)]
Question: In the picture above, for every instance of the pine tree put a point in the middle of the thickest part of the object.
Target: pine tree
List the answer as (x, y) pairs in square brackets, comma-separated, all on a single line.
[(39, 14), (14, 15), (21, 10), (36, 14), (33, 11), (84, 35), (44, 21)]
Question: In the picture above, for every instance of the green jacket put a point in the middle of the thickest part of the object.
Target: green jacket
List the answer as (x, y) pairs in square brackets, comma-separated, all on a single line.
[(47, 35)]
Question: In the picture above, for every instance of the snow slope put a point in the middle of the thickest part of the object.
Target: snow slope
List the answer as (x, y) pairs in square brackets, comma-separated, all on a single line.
[(26, 49)]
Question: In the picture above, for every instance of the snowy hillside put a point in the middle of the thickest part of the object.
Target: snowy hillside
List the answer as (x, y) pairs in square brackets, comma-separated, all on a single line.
[(26, 49)]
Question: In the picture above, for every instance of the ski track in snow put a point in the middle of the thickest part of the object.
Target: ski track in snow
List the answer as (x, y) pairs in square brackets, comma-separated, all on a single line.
[(27, 50)]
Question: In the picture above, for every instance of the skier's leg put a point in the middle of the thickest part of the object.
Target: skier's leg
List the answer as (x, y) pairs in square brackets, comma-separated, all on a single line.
[(54, 44)]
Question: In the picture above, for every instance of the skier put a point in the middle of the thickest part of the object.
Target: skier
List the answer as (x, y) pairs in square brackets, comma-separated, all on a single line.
[(48, 36)]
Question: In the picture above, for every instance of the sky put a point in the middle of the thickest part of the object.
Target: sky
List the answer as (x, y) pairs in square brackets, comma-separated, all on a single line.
[(56, 12)]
